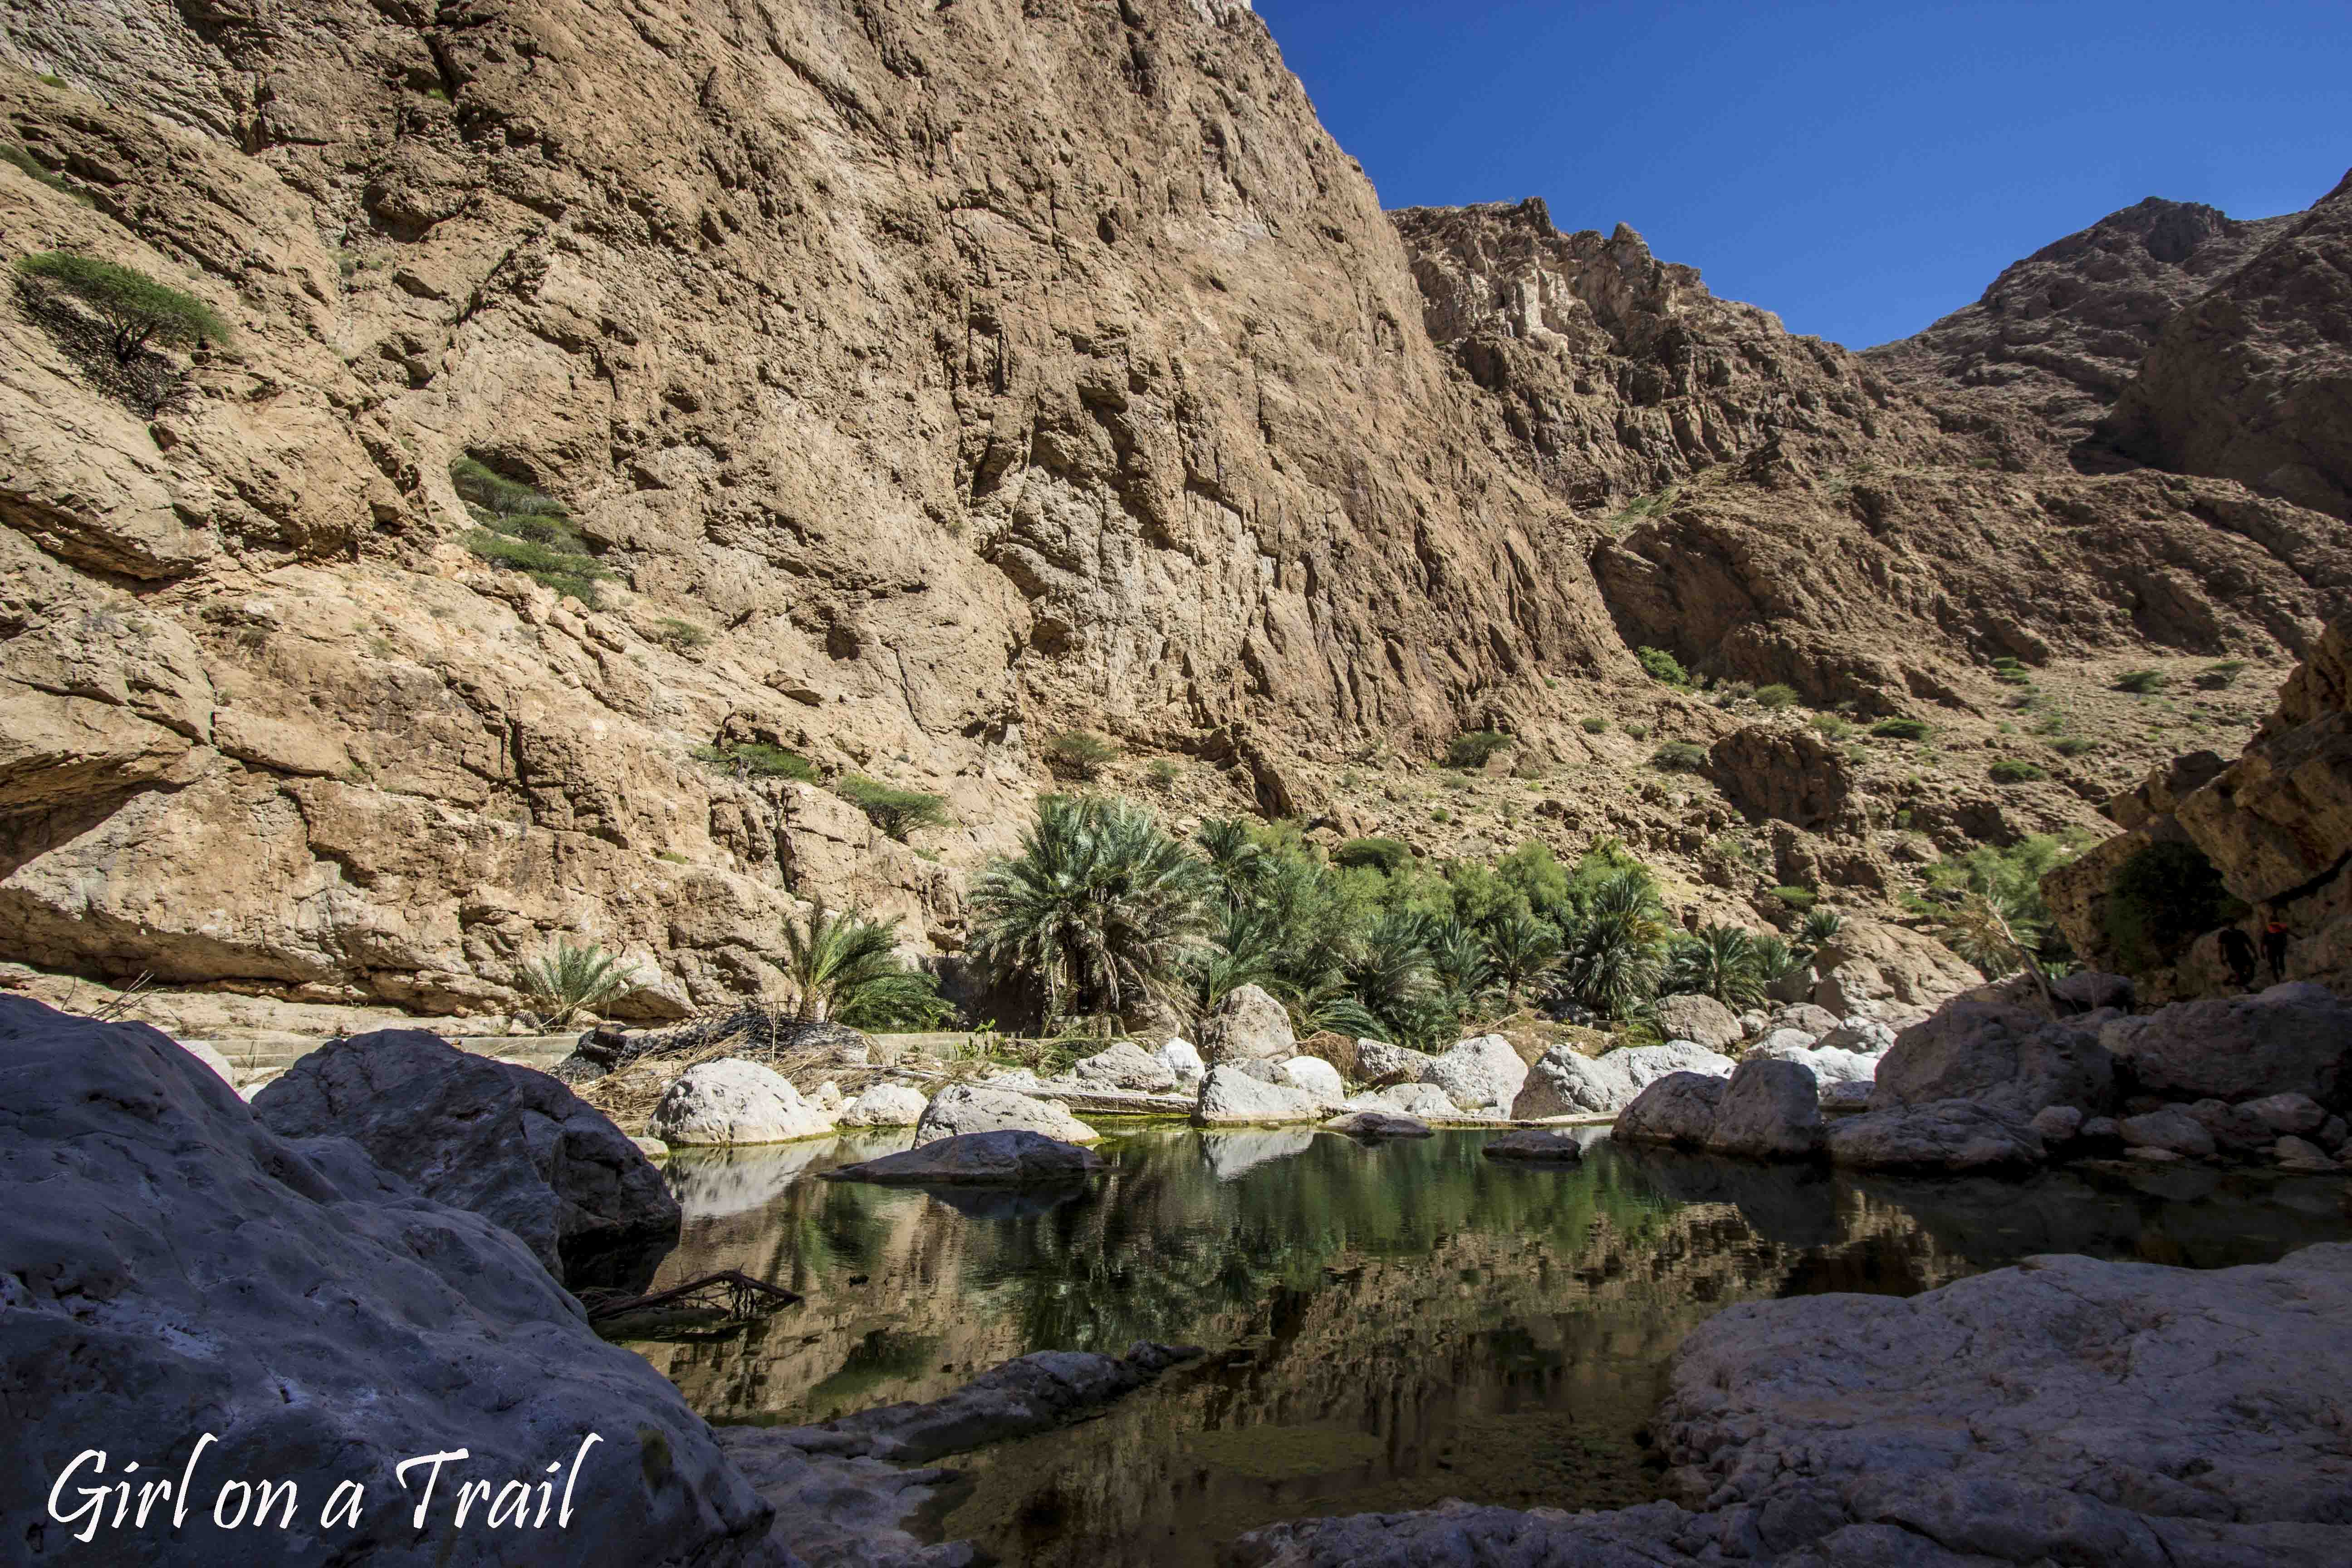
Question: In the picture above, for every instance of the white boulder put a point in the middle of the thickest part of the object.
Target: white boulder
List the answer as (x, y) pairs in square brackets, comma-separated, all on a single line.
[(1483, 1076), (734, 1101), (962, 1108)]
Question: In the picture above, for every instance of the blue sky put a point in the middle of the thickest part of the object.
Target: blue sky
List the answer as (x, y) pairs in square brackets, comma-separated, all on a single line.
[(1860, 168)]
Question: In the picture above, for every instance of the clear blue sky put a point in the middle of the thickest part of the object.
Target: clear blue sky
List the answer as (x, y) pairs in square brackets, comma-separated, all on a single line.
[(1859, 168)]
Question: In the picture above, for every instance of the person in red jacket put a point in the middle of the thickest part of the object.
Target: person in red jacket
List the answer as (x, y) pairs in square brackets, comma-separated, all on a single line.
[(2274, 946)]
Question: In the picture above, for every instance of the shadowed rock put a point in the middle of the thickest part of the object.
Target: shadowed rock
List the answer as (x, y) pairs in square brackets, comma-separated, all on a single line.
[(1004, 1158)]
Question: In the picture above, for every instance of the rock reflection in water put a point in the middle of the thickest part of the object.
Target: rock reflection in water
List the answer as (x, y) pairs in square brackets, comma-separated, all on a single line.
[(1390, 1325)]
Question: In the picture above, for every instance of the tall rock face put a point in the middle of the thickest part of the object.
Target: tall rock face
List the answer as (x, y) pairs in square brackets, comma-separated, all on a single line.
[(2253, 380), (2059, 335), (926, 378)]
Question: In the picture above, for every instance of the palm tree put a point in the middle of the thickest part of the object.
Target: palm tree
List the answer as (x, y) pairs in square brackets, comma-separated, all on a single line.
[(1774, 957), (1390, 973), (1613, 955), (1720, 961), (568, 981), (1242, 953), (1820, 929), (1457, 958), (1097, 910), (1237, 860), (845, 968), (1523, 950)]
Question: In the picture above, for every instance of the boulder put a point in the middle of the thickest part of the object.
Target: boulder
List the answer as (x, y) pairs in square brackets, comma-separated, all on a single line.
[(1826, 1063), (1372, 1124), (1246, 1025), (1783, 772), (1892, 963), (1421, 1100), (2171, 1129), (1232, 1155), (1376, 1062), (2287, 1114), (1782, 1041), (1483, 1076), (1536, 1145), (964, 1107), (2087, 991), (2233, 1128), (1677, 1109), (1863, 1037), (885, 1105), (1811, 1021), (1007, 1157), (826, 1097), (2290, 1039), (1954, 1135), (1182, 1062), (1768, 1111), (2057, 1125), (2300, 1154), (1854, 1094), (2008, 1057), (1230, 1095), (174, 1267), (1702, 1020), (211, 1058), (1566, 1082), (1313, 1075), (1126, 1066), (512, 1145), (734, 1101)]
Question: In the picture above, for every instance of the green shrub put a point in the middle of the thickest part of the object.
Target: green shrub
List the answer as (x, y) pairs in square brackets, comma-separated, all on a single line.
[(2221, 677), (755, 757), (1798, 899), (136, 309), (1595, 726), (1389, 855), (2016, 770), (897, 812), (12, 154), (1660, 665), (1475, 747), (2073, 745), (51, 80), (1833, 726), (1732, 691), (680, 636), (2010, 672), (527, 531), (1162, 773), (2161, 898), (568, 981), (1679, 756), (1901, 728), (2140, 683), (1079, 754), (1776, 697)]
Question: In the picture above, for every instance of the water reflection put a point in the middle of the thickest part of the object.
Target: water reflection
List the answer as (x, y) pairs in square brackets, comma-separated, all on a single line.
[(1389, 1324)]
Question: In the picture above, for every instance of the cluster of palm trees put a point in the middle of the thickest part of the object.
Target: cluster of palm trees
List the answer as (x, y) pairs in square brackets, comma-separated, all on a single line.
[(1103, 912)]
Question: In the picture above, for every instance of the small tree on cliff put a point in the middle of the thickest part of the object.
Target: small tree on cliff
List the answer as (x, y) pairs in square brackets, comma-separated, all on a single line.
[(136, 309)]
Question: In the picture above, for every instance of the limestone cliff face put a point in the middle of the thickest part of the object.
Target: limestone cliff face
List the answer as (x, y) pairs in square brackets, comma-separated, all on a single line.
[(963, 371)]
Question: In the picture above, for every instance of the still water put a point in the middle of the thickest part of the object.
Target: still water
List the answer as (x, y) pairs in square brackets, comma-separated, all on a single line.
[(1388, 1326)]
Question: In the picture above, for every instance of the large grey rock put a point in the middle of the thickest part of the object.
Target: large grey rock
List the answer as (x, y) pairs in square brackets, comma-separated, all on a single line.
[(512, 1145), (1828, 1064), (2008, 1057), (2298, 1115), (1566, 1082), (2169, 1128), (1421, 1100), (2057, 1125), (1232, 1155), (1536, 1145), (1378, 1125), (1246, 1025), (1702, 1020), (1377, 1061), (1007, 1157), (211, 1058), (733, 1101), (1769, 1111), (1313, 1075), (884, 1105), (1482, 1075), (1938, 1135), (1863, 1037), (1678, 1109), (1127, 1066), (1230, 1095), (962, 1108), (2065, 1411), (1810, 1021), (2289, 1040), (1182, 1062), (170, 1267)]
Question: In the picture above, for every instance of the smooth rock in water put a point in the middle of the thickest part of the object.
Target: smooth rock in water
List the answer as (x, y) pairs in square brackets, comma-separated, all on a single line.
[(173, 1268), (1230, 1095), (1378, 1125), (1313, 1075), (2011, 1059), (1483, 1076), (211, 1058), (1009, 1156), (1566, 1082), (1182, 1062), (1422, 1100), (2170, 1128), (2300, 1154), (1678, 1109), (1939, 1135), (1807, 1019), (1769, 1111), (2298, 1115), (512, 1145), (1700, 1019), (1544, 1145), (731, 1101), (1863, 1037), (1126, 1066), (1378, 1061), (2289, 1040), (1246, 1025), (962, 1108), (1230, 1156), (2057, 1124), (884, 1105)]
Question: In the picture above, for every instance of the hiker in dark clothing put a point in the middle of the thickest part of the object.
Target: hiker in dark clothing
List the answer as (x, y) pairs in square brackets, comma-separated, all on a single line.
[(2275, 947), (2237, 953)]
